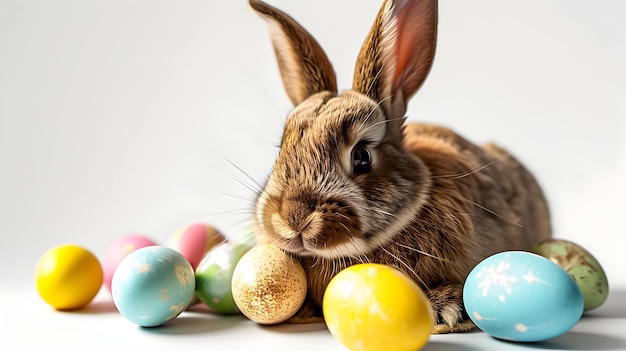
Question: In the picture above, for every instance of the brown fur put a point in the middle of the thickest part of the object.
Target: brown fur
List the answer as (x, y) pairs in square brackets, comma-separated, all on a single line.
[(432, 204)]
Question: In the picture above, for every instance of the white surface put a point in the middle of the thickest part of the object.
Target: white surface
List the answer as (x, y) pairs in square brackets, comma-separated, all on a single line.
[(121, 117), (29, 323)]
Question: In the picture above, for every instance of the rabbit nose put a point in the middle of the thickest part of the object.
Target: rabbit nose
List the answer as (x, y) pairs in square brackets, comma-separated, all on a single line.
[(297, 213)]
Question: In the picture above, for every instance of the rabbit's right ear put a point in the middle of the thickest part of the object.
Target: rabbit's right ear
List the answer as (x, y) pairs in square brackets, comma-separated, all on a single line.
[(397, 55), (304, 67)]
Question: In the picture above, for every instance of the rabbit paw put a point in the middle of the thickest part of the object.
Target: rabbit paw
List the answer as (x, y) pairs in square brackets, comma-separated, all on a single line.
[(308, 313), (450, 314)]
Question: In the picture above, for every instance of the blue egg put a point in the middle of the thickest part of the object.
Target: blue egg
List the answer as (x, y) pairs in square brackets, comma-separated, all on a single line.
[(520, 296), (153, 285)]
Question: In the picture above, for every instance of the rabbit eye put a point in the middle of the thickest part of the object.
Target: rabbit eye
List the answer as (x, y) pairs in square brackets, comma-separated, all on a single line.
[(361, 159)]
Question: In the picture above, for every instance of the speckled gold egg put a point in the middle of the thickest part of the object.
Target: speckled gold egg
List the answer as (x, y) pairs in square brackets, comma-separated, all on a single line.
[(581, 266), (268, 285)]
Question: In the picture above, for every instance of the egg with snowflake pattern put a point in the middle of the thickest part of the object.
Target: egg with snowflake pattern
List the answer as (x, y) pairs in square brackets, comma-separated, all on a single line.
[(521, 296)]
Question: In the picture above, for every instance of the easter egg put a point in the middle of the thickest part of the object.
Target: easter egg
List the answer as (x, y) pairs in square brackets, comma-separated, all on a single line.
[(246, 236), (119, 249), (521, 296), (214, 276), (153, 285), (68, 277), (374, 307), (268, 285), (581, 266), (194, 240)]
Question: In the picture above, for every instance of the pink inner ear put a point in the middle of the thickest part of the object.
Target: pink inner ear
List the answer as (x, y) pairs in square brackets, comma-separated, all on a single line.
[(404, 42), (414, 43)]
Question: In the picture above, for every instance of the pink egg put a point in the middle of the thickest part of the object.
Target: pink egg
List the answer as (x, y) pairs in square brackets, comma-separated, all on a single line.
[(194, 240), (119, 249)]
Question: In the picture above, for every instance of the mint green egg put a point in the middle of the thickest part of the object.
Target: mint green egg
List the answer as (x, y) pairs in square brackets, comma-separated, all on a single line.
[(581, 266), (214, 275)]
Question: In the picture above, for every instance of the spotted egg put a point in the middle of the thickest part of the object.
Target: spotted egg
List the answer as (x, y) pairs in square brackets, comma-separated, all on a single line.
[(268, 285), (581, 266), (522, 296)]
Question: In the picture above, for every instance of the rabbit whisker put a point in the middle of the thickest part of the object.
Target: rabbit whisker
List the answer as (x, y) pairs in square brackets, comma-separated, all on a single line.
[(372, 112), (464, 174), (232, 196), (231, 214), (345, 227), (508, 220), (243, 182), (255, 185), (241, 211), (364, 131), (386, 213), (374, 82), (396, 258), (315, 262), (342, 216), (422, 252), (367, 118), (246, 236)]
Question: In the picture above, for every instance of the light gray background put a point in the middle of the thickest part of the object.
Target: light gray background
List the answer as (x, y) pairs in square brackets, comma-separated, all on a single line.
[(121, 117)]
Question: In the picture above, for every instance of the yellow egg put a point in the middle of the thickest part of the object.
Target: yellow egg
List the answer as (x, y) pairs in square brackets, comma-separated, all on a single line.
[(268, 285), (371, 307), (68, 277)]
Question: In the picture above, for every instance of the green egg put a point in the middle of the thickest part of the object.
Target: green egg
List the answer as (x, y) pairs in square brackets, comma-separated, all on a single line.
[(214, 275), (581, 266)]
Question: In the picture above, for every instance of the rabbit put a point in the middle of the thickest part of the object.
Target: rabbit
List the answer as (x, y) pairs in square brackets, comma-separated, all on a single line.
[(353, 182)]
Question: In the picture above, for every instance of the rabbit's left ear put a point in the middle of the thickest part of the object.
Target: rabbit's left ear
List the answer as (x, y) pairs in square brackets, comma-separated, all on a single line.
[(397, 55), (304, 67)]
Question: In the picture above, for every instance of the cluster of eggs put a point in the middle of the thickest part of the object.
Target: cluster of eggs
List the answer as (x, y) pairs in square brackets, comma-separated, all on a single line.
[(365, 306), (514, 295), (150, 284)]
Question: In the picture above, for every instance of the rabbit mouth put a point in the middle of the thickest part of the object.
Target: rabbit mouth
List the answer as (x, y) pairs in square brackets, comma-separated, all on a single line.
[(307, 248), (302, 247), (315, 239), (297, 247)]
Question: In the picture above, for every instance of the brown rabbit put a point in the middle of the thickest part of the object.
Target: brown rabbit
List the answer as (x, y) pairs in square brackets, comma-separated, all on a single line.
[(353, 183)]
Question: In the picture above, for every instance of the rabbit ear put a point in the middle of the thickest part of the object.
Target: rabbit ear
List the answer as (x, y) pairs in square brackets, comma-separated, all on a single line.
[(304, 67), (397, 54)]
